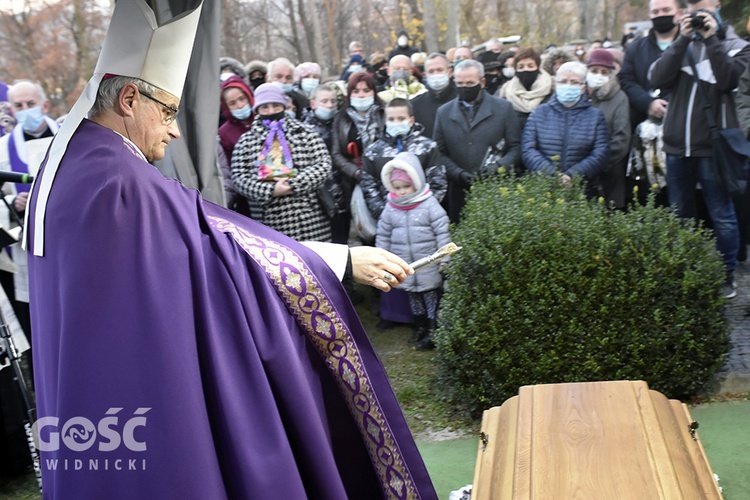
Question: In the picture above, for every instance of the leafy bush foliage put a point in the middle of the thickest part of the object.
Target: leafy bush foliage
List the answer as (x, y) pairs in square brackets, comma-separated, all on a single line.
[(550, 288)]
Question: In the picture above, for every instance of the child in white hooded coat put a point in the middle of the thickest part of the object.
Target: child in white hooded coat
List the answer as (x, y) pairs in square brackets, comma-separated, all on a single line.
[(414, 225)]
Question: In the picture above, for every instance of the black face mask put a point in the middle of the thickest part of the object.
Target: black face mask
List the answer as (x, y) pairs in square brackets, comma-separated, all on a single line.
[(274, 117), (663, 24), (469, 94), (527, 78), (257, 82), (491, 82)]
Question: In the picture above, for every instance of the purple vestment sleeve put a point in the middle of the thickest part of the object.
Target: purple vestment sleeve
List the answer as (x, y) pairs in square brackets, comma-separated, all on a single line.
[(184, 351)]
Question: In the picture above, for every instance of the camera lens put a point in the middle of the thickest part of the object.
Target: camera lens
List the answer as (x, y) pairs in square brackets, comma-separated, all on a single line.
[(697, 21)]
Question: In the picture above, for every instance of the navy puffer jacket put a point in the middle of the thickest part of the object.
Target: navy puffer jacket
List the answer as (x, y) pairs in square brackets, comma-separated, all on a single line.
[(572, 141)]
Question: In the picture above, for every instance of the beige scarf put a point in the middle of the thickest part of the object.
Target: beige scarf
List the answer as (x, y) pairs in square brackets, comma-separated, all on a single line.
[(524, 101)]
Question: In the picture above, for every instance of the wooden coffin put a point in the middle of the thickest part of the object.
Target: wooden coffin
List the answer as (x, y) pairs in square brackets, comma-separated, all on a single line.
[(592, 440)]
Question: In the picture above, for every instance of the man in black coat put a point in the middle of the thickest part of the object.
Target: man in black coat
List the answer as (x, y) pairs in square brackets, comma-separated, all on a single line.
[(467, 127), (441, 89), (402, 45), (641, 54)]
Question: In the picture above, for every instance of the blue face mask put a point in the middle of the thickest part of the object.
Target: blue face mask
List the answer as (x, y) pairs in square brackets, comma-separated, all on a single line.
[(397, 129), (30, 119), (568, 94), (287, 87), (325, 114), (290, 113), (362, 103), (243, 113), (308, 84), (438, 81), (355, 68)]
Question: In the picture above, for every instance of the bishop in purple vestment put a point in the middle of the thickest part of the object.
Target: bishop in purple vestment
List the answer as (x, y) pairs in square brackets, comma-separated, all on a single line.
[(187, 352)]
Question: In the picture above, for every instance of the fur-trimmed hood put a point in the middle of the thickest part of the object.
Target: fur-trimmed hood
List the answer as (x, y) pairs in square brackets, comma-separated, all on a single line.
[(409, 163)]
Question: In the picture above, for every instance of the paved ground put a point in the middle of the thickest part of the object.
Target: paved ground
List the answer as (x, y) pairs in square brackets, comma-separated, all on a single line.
[(735, 374)]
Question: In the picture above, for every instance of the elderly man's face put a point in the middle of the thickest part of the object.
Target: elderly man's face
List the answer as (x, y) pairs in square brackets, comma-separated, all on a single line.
[(25, 95), (282, 74), (436, 66), (399, 63), (151, 134), (468, 77)]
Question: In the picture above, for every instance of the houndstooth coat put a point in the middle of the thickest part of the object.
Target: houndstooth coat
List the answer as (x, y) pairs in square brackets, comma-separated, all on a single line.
[(299, 215)]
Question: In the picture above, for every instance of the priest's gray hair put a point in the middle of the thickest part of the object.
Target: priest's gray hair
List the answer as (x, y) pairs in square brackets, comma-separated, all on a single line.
[(470, 63), (110, 88)]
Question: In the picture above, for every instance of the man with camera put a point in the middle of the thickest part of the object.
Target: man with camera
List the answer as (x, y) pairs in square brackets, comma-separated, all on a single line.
[(720, 57)]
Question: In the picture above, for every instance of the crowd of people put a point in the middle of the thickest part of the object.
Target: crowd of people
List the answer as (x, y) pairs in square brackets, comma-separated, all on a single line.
[(409, 133), (293, 145)]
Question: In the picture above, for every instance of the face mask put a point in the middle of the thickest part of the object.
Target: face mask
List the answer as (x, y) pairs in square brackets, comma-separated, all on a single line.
[(287, 87), (355, 68), (469, 94), (243, 113), (491, 83), (257, 82), (596, 81), (438, 81), (30, 119), (224, 76), (290, 113), (308, 84), (663, 24), (402, 74), (567, 94), (509, 72), (274, 117), (324, 114), (362, 103), (527, 78), (397, 129), (579, 52), (403, 41)]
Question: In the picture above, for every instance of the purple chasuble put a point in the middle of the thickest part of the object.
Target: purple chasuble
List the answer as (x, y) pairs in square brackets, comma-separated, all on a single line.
[(184, 351)]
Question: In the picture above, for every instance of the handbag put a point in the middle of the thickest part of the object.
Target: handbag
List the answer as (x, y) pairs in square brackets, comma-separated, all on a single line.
[(365, 226), (731, 150)]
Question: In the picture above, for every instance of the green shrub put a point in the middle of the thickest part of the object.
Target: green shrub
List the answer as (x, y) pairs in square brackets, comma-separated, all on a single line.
[(552, 288)]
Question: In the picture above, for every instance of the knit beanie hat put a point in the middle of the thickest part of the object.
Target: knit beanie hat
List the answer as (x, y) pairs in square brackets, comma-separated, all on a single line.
[(400, 175), (269, 93), (601, 57)]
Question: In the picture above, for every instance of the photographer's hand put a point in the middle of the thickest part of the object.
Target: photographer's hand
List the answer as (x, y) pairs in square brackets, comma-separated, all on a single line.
[(686, 27), (709, 25)]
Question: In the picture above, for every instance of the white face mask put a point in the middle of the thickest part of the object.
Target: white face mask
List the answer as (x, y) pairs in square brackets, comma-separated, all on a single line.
[(438, 81), (509, 72), (595, 81), (403, 41)]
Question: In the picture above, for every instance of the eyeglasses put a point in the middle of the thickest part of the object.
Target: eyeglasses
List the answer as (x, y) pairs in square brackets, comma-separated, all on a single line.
[(169, 115)]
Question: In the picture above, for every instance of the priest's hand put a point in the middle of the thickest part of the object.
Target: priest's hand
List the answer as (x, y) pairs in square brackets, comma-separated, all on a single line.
[(378, 268)]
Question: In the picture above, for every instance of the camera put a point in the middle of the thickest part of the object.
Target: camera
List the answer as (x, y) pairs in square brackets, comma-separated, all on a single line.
[(697, 22)]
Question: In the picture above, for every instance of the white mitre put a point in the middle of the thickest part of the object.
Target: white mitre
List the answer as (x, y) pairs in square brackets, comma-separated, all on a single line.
[(137, 47)]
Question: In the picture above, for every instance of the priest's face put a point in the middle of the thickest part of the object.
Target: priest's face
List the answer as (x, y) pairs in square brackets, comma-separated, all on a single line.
[(156, 126)]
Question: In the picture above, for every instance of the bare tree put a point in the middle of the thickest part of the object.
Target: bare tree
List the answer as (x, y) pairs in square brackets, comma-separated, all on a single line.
[(430, 26)]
